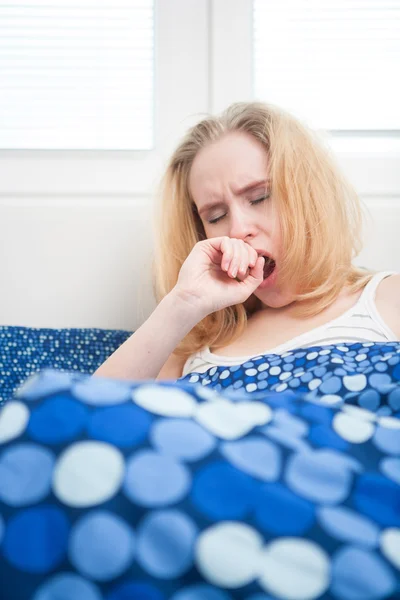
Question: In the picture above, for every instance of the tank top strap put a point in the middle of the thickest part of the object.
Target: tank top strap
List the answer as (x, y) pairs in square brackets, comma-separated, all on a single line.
[(369, 292), (367, 300)]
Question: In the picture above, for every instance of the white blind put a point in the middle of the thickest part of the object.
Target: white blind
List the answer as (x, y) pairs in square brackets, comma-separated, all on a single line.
[(334, 63), (76, 74)]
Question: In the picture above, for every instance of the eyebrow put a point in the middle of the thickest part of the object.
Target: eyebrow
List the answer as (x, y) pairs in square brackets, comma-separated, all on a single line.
[(246, 188)]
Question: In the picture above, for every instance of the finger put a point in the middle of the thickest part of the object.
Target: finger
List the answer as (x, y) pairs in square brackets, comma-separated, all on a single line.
[(244, 262), (227, 253), (253, 256), (235, 263)]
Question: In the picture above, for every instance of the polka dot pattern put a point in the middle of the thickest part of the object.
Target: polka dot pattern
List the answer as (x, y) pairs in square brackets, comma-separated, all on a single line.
[(285, 485)]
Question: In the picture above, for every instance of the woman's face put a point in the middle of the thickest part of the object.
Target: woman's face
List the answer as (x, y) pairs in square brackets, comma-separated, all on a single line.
[(229, 184)]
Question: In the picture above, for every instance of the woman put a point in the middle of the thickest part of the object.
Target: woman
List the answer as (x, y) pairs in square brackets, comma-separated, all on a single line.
[(257, 230)]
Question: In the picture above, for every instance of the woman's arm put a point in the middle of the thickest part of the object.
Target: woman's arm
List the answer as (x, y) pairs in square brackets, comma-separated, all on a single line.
[(143, 354)]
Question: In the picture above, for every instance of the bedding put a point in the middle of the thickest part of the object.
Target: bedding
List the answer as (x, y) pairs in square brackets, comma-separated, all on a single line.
[(27, 350), (203, 490)]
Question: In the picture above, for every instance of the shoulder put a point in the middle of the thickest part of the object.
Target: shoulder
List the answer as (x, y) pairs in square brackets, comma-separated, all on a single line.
[(388, 302)]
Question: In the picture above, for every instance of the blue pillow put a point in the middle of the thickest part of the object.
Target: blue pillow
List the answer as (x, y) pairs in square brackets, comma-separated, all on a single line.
[(26, 350), (115, 490)]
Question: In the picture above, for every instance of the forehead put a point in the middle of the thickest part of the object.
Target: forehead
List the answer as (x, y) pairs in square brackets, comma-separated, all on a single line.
[(235, 160)]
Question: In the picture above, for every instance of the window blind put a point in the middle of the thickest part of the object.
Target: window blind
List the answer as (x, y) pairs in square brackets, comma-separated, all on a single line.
[(334, 63), (76, 74)]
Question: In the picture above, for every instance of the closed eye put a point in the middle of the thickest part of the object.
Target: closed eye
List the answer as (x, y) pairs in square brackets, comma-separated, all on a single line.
[(253, 202)]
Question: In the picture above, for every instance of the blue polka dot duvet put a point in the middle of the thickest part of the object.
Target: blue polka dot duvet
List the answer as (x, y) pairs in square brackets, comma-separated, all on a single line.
[(278, 479)]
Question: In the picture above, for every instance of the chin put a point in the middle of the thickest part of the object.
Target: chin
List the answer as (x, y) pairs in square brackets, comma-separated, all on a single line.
[(274, 298)]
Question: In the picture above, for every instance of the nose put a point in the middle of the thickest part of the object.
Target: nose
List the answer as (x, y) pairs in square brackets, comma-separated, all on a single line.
[(241, 225)]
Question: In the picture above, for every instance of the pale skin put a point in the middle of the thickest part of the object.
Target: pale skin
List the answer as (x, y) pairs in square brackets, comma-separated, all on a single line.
[(218, 172), (229, 187)]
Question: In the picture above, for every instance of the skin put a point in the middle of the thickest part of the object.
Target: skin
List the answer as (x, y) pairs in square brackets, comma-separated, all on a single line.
[(218, 172)]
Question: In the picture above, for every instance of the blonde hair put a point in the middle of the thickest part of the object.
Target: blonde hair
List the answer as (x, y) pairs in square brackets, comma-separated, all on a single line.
[(320, 218)]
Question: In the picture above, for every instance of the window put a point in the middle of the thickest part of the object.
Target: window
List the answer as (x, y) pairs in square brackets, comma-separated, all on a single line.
[(76, 75), (333, 63)]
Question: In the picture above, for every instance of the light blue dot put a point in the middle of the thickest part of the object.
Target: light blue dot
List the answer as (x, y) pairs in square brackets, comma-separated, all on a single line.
[(319, 476), (387, 440), (101, 546), (100, 392), (347, 525), (182, 439), (294, 383), (68, 586), (132, 590), (36, 539), (296, 426), (25, 474), (394, 399), (201, 591), (59, 419), (391, 468), (330, 386), (381, 367), (45, 383), (166, 543), (123, 425), (220, 491), (285, 438), (152, 479), (360, 575), (380, 382), (257, 457), (370, 400)]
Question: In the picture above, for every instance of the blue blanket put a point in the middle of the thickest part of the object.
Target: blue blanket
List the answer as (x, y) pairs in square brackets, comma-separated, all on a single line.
[(206, 488)]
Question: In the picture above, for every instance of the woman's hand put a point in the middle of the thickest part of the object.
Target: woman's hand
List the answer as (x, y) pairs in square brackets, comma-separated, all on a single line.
[(219, 272)]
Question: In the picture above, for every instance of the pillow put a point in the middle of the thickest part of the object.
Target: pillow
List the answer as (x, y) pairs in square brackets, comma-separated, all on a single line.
[(25, 350), (115, 490)]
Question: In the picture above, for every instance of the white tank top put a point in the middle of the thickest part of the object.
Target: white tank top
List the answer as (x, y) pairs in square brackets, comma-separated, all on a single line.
[(361, 323)]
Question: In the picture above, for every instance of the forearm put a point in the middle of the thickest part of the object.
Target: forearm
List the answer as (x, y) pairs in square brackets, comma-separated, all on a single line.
[(145, 352)]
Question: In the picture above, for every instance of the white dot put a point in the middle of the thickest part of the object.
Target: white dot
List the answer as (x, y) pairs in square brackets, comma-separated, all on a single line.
[(224, 374), (361, 357), (294, 569), (390, 545), (263, 367), (312, 355), (230, 420), (314, 384), (88, 473), (284, 376), (330, 399), (251, 387), (389, 422), (169, 402), (275, 371), (251, 372), (282, 387), (228, 554), (352, 430), (355, 383), (13, 419), (359, 413)]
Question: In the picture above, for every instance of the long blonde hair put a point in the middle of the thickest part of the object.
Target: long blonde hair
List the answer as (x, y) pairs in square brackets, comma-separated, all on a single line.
[(320, 218)]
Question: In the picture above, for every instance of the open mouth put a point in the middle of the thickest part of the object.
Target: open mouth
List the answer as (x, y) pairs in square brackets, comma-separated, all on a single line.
[(269, 266)]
